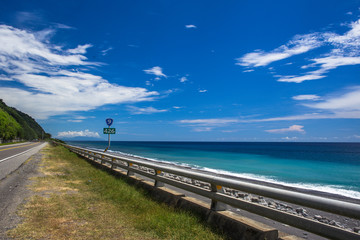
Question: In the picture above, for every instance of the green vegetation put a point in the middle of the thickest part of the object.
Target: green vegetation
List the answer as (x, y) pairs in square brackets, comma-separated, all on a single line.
[(75, 200), (57, 140), (11, 143), (9, 127), (18, 125)]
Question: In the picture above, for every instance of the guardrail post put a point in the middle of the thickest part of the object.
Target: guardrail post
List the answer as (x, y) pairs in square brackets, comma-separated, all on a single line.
[(112, 163), (215, 205), (129, 173), (158, 183)]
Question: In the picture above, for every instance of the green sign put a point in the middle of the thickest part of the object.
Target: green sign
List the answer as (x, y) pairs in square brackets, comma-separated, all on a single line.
[(109, 131)]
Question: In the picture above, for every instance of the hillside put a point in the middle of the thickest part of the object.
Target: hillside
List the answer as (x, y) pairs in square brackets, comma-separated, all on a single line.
[(15, 124)]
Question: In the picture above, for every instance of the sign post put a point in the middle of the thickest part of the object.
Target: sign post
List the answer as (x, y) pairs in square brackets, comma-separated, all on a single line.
[(108, 130)]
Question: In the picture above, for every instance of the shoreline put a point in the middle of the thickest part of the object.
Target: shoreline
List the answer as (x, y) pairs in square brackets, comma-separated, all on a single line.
[(347, 223), (283, 186)]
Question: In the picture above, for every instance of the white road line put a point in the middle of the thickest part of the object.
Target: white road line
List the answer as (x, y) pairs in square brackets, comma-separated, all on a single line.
[(5, 159)]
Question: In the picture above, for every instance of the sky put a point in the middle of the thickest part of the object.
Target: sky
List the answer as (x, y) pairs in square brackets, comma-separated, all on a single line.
[(168, 70)]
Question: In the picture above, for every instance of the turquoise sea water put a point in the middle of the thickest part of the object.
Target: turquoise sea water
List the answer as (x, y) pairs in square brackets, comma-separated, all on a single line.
[(327, 167)]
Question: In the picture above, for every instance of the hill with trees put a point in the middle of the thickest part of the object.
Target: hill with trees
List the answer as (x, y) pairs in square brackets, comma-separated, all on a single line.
[(16, 125)]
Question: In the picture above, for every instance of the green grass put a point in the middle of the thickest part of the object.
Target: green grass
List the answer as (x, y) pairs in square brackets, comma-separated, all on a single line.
[(75, 200), (10, 143)]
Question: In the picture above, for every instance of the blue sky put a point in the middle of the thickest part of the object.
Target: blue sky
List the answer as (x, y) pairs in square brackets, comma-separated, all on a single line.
[(185, 70)]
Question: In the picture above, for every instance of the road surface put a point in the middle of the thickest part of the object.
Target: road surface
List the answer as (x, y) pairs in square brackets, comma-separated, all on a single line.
[(14, 179), (12, 156)]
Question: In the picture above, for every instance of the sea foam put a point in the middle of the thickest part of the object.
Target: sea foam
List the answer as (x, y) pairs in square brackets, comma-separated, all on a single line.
[(331, 189)]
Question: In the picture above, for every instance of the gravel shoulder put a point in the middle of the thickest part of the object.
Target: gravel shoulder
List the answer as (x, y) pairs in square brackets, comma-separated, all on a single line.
[(14, 192)]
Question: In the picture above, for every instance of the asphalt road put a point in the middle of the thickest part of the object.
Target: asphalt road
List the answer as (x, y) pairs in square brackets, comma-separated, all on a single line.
[(14, 179), (12, 156)]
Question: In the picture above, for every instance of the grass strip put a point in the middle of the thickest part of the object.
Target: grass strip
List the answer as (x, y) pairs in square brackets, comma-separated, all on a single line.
[(75, 200), (11, 143)]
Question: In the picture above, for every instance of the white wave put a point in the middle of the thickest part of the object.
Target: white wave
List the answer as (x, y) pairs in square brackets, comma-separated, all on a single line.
[(332, 189)]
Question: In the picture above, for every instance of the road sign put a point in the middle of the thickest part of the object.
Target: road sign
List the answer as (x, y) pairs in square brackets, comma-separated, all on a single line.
[(109, 130), (109, 121)]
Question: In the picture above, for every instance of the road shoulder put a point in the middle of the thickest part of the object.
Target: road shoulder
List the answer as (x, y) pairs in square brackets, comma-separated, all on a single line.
[(14, 192)]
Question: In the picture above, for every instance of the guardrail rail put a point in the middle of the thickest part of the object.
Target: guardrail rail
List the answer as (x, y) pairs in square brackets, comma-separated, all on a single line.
[(222, 190)]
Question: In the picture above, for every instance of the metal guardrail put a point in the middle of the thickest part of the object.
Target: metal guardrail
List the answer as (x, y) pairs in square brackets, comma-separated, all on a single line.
[(212, 186)]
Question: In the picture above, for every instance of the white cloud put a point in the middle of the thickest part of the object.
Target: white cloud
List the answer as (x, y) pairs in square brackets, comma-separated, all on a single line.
[(209, 121), (332, 62), (349, 39), (190, 26), (203, 129), (19, 46), (300, 79), (289, 138), (147, 110), (183, 79), (344, 51), (293, 128), (203, 91), (299, 44), (325, 64), (78, 119), (80, 49), (342, 106), (306, 97), (5, 78), (105, 51), (72, 134), (50, 86), (75, 120), (206, 125), (347, 102), (157, 71)]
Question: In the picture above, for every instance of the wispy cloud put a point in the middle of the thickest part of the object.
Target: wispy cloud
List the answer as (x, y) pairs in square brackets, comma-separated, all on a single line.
[(306, 97), (48, 80), (190, 26), (293, 128), (81, 49), (105, 51), (203, 91), (72, 134), (203, 129), (157, 71), (341, 106), (78, 119), (206, 125), (183, 79), (300, 79), (344, 51), (75, 120), (147, 110), (347, 102), (209, 121), (299, 44)]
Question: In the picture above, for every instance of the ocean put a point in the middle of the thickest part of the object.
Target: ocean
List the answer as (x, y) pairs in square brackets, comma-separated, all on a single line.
[(327, 167)]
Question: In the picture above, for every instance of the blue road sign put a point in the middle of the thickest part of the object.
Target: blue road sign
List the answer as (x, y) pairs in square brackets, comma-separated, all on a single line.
[(109, 121)]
